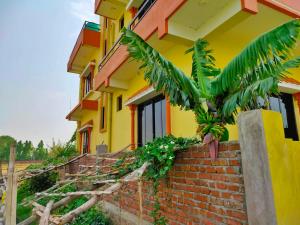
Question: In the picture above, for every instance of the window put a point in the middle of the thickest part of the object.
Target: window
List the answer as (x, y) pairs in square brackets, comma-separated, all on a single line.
[(103, 112), (284, 104), (145, 7), (105, 47), (151, 120), (122, 22), (85, 142), (119, 103), (87, 84), (106, 23)]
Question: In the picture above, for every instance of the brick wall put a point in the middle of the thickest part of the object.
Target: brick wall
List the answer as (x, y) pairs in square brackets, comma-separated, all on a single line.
[(197, 191)]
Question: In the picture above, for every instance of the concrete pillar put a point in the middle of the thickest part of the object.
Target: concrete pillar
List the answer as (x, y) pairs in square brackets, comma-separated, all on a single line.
[(255, 164)]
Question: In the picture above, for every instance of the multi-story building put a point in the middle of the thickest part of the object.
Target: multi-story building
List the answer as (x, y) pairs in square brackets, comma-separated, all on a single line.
[(118, 108)]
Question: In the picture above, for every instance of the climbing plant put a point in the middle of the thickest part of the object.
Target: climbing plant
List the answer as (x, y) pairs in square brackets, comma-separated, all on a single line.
[(160, 155)]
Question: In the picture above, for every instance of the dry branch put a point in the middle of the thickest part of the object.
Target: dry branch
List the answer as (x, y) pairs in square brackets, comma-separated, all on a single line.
[(69, 216), (45, 218)]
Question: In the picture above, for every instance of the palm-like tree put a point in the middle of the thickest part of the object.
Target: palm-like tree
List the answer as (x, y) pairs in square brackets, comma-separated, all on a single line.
[(214, 94)]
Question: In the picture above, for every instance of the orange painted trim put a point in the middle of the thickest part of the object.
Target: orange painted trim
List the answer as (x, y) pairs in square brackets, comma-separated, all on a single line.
[(156, 19), (139, 91), (89, 104), (297, 98), (288, 7), (132, 126), (168, 116), (68, 117), (250, 6), (133, 12), (84, 104), (291, 80), (85, 37)]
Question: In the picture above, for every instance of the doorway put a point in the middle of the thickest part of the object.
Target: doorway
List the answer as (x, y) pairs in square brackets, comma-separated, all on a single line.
[(151, 119)]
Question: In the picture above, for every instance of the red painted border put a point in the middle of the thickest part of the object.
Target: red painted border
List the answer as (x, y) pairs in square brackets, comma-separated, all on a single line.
[(84, 104), (85, 37), (297, 98), (288, 7)]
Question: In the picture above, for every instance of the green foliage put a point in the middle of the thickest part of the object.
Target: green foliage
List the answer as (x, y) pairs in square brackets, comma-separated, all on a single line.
[(214, 95), (23, 212), (67, 188), (5, 143), (61, 153), (93, 216), (36, 184), (24, 150), (160, 155)]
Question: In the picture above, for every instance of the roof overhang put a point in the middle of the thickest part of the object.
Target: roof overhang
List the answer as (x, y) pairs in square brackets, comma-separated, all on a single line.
[(84, 105)]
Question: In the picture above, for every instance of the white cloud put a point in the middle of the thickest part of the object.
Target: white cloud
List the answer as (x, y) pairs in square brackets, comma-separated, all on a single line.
[(84, 10)]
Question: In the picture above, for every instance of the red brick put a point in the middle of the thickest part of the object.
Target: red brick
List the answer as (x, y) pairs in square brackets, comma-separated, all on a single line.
[(221, 186)]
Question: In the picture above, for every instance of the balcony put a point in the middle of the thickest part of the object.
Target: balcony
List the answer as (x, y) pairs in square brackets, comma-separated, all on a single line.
[(110, 8), (87, 42), (167, 23), (81, 108)]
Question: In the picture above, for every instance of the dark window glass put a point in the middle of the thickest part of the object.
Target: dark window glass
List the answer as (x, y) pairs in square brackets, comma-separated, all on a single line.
[(88, 84), (85, 141), (151, 120), (284, 104), (102, 123), (144, 8), (105, 47), (122, 22), (119, 103)]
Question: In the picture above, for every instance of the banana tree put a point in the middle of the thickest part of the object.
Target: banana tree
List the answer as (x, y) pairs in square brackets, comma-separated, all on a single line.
[(215, 94)]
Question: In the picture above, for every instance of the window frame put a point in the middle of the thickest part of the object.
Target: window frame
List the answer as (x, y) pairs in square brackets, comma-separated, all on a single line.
[(119, 103), (103, 113)]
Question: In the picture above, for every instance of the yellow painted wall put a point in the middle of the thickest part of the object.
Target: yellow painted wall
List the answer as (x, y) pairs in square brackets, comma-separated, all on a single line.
[(284, 158), (121, 119), (183, 123)]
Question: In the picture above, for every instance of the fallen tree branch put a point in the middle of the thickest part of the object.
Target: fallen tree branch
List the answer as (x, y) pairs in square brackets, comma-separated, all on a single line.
[(70, 215), (45, 218)]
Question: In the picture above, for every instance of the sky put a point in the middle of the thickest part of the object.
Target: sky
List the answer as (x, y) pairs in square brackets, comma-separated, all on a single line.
[(36, 91)]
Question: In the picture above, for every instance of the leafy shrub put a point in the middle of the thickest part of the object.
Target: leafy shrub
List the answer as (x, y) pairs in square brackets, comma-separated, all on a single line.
[(160, 155), (93, 216), (36, 184), (67, 188), (23, 212)]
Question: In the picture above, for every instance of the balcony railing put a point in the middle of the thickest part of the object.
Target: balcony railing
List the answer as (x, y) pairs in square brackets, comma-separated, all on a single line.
[(146, 6)]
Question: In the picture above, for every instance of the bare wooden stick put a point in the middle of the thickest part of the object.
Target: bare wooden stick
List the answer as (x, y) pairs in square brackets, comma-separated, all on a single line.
[(51, 218), (77, 193), (29, 220), (69, 216), (11, 192), (45, 218), (140, 185), (56, 167)]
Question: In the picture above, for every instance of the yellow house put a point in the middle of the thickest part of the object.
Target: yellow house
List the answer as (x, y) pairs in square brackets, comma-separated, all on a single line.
[(118, 108)]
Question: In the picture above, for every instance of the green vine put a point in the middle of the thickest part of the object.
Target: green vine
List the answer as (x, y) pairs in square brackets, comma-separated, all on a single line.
[(160, 155)]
